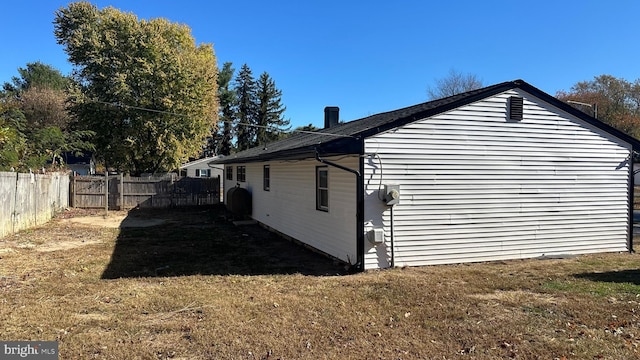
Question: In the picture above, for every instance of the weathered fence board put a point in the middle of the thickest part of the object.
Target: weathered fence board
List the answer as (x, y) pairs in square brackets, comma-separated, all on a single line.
[(30, 199), (129, 192)]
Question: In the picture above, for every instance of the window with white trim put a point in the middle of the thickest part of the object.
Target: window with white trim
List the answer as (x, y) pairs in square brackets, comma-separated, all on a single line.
[(322, 188), (229, 172)]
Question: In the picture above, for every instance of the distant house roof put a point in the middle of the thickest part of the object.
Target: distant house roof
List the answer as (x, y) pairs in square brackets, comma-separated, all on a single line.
[(203, 161), (347, 138)]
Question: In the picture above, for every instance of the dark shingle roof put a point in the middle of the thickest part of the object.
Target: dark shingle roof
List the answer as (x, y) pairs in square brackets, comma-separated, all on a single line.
[(347, 138)]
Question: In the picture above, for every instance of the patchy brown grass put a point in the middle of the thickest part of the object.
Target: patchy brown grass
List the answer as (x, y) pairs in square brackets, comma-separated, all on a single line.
[(196, 287)]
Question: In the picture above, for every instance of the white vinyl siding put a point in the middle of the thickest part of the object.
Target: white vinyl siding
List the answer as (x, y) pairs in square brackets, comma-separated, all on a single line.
[(201, 168), (290, 204), (475, 186)]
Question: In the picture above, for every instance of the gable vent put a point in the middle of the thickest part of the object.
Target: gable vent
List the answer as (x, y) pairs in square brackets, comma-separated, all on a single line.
[(516, 106)]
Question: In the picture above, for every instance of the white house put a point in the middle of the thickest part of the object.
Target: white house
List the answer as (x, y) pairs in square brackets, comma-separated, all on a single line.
[(84, 164), (201, 168), (503, 172)]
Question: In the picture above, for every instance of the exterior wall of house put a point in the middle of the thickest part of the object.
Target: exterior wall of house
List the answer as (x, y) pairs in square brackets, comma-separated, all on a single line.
[(82, 169), (192, 168), (290, 204), (475, 186)]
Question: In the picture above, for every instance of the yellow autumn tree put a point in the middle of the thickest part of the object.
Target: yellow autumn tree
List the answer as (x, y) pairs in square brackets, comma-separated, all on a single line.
[(145, 87)]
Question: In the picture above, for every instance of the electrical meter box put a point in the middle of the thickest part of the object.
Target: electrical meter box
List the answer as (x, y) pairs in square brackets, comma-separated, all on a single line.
[(392, 194)]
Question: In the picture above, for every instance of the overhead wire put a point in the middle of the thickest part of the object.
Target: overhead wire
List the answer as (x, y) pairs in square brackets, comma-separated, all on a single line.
[(226, 122)]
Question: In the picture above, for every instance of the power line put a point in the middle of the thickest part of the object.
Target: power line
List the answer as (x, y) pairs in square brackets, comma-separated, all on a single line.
[(137, 108), (226, 122)]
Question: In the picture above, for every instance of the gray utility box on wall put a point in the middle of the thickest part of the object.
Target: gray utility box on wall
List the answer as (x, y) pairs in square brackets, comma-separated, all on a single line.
[(375, 236), (392, 194)]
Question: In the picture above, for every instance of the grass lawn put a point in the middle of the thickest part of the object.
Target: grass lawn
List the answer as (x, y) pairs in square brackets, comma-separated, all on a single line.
[(196, 287)]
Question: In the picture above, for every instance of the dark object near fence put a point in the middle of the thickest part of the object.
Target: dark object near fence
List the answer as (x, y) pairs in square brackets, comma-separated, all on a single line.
[(239, 201)]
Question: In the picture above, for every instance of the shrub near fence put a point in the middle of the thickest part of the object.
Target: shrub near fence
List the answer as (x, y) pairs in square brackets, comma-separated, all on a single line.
[(30, 199)]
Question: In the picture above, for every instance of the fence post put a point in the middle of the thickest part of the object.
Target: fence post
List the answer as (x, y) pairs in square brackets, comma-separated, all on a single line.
[(73, 189), (121, 191), (106, 191), (14, 216), (218, 187)]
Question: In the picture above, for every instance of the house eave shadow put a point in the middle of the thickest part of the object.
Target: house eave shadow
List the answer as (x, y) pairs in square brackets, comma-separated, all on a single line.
[(199, 241)]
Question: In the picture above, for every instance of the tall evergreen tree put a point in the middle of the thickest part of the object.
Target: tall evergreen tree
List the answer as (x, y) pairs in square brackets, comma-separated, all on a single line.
[(270, 109), (246, 91), (37, 74), (227, 98)]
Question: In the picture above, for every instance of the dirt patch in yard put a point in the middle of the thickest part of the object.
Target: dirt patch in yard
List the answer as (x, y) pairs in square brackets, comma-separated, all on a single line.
[(173, 242), (72, 229), (118, 219)]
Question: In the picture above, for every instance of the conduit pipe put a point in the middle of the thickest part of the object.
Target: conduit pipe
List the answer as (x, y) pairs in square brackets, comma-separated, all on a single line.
[(359, 207)]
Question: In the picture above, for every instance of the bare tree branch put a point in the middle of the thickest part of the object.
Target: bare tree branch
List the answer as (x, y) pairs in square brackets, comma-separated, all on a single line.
[(454, 83)]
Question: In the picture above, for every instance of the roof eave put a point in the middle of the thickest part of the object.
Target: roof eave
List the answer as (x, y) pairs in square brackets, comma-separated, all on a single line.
[(500, 88), (342, 146)]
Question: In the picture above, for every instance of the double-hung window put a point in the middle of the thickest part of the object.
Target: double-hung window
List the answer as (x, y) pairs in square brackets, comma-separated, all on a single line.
[(242, 173), (322, 188), (266, 178), (229, 172)]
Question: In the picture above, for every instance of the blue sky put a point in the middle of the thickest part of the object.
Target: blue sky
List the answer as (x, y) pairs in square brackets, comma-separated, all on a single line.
[(372, 56)]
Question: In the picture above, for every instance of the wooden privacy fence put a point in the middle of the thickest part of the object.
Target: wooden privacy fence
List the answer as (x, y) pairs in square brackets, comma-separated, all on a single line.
[(30, 199), (124, 192)]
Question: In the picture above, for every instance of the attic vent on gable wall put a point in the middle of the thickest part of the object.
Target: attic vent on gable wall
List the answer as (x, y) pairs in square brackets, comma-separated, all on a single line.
[(516, 106)]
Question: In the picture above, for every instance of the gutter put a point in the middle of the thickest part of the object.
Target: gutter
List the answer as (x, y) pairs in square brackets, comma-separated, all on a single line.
[(359, 265), (632, 186)]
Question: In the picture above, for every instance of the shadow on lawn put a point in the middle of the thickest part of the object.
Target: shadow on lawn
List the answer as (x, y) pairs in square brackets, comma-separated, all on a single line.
[(624, 276), (198, 240)]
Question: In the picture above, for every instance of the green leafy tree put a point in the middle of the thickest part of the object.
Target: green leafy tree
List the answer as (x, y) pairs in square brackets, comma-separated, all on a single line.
[(34, 121), (247, 110), (146, 88), (51, 143), (612, 100), (13, 144), (269, 111)]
